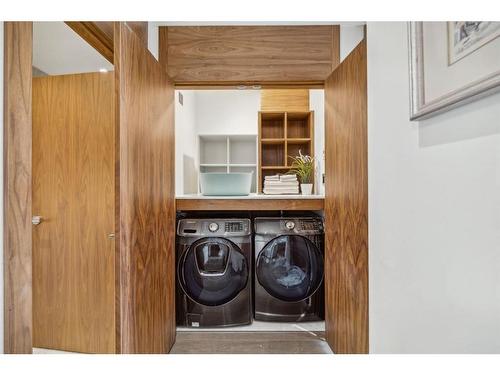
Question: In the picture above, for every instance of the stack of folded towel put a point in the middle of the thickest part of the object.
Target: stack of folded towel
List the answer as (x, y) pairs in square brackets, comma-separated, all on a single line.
[(281, 184)]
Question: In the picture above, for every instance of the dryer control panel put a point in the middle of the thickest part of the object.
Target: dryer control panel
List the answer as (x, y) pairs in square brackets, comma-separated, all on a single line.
[(288, 225), (213, 227)]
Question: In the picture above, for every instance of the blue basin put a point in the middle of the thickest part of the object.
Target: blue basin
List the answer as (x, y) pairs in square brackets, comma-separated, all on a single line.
[(234, 183)]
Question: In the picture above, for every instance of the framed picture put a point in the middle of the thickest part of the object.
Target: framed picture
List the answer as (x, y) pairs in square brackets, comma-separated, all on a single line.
[(465, 37), (451, 63)]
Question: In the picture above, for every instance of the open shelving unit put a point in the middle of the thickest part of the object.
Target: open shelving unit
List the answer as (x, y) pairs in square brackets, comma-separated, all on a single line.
[(229, 153), (282, 135)]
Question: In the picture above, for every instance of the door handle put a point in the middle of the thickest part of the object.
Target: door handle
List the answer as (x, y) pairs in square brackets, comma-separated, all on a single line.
[(36, 220), (111, 236)]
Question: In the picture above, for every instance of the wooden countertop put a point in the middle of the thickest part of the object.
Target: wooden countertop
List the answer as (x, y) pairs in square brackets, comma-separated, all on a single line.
[(252, 202)]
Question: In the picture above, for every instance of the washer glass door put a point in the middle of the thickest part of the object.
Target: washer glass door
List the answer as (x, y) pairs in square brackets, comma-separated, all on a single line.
[(290, 268), (213, 271)]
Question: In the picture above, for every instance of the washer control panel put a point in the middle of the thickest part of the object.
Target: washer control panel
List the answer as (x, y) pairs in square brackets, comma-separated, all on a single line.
[(213, 227)]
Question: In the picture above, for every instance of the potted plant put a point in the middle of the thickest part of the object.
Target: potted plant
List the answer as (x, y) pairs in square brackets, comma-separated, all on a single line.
[(303, 167)]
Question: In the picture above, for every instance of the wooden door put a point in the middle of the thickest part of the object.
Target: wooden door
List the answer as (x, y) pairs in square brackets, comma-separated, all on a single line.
[(73, 191), (146, 250), (346, 205)]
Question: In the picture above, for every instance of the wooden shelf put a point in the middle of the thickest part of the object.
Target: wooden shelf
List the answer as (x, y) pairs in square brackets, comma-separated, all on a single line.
[(268, 204), (298, 140), (283, 135), (270, 167), (273, 140)]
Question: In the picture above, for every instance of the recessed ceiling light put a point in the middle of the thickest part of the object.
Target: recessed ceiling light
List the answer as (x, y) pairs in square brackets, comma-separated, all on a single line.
[(256, 87), (241, 87), (103, 70)]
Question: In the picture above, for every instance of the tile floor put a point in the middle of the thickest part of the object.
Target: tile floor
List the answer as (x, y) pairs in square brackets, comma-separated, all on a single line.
[(250, 343), (256, 338)]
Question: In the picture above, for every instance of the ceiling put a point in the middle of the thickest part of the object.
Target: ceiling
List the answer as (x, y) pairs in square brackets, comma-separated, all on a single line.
[(57, 49)]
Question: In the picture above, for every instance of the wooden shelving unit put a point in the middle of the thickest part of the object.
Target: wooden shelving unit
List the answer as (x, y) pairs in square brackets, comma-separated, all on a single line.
[(281, 135)]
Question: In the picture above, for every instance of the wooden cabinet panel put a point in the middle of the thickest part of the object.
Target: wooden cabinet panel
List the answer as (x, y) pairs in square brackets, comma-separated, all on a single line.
[(73, 191), (346, 205), (17, 187), (249, 54), (146, 215), (284, 100)]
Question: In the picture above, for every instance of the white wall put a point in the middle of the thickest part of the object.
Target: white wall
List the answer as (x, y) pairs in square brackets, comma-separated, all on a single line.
[(317, 104), (57, 49), (153, 39), (1, 187), (350, 36), (227, 111), (434, 214), (186, 144)]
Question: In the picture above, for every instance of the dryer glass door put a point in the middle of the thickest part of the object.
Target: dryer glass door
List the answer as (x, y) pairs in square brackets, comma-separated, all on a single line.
[(290, 268), (213, 271)]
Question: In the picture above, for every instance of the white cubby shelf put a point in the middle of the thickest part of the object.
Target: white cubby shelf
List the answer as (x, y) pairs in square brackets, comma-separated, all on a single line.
[(229, 153)]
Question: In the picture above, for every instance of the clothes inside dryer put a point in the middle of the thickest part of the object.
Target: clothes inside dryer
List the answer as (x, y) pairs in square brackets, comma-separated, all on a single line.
[(290, 267)]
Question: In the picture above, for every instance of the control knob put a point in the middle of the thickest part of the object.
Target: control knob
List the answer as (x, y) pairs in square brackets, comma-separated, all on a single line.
[(213, 227), (289, 225)]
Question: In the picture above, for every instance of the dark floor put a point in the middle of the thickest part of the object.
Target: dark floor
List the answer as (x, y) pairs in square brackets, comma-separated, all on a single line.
[(250, 343)]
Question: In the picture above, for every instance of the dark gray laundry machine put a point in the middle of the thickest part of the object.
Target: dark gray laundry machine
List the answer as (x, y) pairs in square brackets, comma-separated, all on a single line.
[(289, 259), (214, 272)]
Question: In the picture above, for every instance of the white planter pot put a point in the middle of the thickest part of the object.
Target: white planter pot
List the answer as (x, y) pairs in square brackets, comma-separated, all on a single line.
[(306, 189)]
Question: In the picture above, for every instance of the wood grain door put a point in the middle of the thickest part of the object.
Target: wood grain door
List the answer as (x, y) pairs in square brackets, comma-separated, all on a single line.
[(146, 250), (73, 191), (346, 205)]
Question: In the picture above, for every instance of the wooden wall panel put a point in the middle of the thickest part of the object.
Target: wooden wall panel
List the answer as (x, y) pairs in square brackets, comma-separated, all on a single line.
[(138, 27), (141, 30), (249, 54), (346, 205), (17, 187), (284, 100), (147, 206), (335, 46), (73, 191), (107, 27)]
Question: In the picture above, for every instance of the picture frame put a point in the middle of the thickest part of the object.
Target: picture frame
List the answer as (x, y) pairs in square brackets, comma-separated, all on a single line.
[(422, 107)]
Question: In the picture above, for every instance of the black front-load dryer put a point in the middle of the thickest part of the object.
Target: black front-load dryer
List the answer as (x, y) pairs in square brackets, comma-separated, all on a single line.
[(289, 259), (214, 268)]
